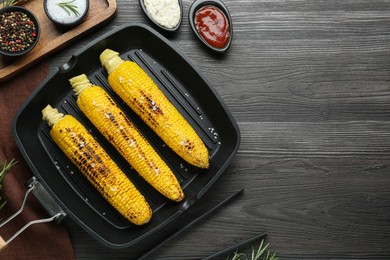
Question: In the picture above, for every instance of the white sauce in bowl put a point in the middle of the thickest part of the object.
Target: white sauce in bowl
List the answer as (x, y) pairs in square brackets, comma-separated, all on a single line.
[(60, 15), (164, 12)]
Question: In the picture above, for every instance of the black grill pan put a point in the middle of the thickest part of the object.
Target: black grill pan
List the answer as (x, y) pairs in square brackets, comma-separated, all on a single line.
[(187, 89)]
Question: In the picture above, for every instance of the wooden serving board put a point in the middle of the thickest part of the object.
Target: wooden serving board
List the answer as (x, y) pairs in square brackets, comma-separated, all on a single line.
[(53, 37)]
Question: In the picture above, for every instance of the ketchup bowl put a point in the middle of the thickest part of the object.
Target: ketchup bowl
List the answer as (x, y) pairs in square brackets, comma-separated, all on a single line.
[(212, 24)]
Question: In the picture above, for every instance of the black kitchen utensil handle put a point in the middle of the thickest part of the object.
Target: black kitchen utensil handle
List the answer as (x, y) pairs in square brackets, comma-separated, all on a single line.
[(193, 222)]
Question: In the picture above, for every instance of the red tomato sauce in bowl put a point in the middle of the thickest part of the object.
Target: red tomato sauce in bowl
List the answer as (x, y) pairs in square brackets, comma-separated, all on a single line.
[(212, 24)]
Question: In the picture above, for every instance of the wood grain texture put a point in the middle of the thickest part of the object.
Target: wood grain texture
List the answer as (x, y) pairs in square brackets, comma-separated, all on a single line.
[(53, 37), (309, 85)]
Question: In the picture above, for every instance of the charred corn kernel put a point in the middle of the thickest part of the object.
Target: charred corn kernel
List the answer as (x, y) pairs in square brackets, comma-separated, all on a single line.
[(96, 165), (142, 95), (111, 121)]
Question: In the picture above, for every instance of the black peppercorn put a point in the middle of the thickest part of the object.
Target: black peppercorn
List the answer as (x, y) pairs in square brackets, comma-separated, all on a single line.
[(18, 32)]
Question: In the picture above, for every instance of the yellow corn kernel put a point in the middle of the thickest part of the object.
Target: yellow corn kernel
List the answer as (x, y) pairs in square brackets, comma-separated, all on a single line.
[(111, 121), (96, 165), (143, 96)]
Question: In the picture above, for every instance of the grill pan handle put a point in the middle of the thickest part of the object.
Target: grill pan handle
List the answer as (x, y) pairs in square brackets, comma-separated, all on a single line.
[(45, 199), (55, 211)]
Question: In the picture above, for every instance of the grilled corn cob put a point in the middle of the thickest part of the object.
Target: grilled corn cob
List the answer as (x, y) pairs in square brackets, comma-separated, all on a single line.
[(102, 111), (96, 165), (142, 95)]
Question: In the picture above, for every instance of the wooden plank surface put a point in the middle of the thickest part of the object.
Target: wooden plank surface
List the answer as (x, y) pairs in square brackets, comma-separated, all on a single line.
[(52, 37), (309, 85)]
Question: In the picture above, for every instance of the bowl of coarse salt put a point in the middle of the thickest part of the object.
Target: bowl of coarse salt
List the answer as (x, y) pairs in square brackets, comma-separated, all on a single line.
[(66, 13)]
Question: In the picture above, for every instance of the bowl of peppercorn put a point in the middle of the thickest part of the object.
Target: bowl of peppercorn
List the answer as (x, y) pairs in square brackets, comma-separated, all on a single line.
[(19, 30)]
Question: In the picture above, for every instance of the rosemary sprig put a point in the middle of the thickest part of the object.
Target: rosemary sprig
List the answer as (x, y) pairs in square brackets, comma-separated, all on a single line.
[(5, 168), (262, 253), (13, 2), (9, 2), (69, 7)]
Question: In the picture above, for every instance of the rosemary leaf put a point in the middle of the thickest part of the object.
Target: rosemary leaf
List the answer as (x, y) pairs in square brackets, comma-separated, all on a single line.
[(69, 7), (6, 167), (261, 250), (4, 170), (8, 3), (3, 204), (262, 253), (13, 2)]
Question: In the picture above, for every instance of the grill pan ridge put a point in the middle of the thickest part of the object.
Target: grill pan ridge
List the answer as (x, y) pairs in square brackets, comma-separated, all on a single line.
[(184, 86)]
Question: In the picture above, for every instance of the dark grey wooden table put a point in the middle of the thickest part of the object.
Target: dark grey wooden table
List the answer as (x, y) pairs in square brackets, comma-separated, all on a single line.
[(309, 84)]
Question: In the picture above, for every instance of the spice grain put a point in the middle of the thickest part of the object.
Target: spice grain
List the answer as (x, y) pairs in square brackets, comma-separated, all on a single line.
[(18, 31)]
